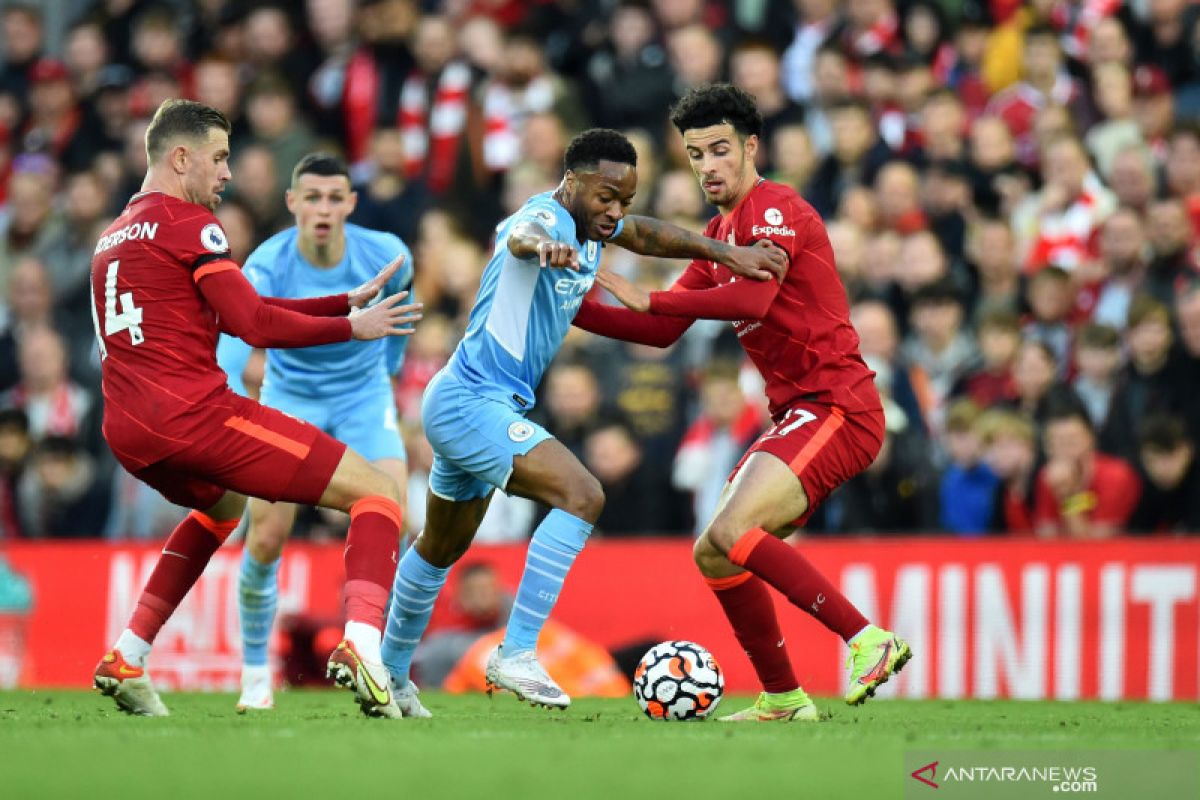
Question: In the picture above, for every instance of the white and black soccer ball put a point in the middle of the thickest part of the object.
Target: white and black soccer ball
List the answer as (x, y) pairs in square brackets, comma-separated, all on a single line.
[(678, 680)]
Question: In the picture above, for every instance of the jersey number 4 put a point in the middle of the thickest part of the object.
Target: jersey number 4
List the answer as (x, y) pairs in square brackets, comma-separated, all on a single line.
[(129, 319)]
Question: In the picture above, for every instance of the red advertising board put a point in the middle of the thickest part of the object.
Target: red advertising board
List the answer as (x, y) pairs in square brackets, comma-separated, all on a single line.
[(994, 618)]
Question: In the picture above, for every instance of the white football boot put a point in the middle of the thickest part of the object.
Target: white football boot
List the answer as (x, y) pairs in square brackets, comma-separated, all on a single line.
[(410, 704), (523, 676), (256, 689), (128, 685)]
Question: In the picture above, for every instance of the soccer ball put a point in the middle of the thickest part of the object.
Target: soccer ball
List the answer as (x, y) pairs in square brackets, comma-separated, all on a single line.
[(678, 680)]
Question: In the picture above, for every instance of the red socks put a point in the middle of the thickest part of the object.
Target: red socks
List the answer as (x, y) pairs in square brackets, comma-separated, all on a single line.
[(372, 552), (184, 557), (782, 566), (747, 605)]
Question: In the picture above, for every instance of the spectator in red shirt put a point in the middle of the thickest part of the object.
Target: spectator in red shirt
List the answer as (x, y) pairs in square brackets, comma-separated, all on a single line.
[(999, 339), (1080, 493)]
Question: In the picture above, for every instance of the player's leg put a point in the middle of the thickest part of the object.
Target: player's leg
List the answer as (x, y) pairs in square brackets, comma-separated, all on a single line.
[(750, 610), (550, 474), (766, 495), (374, 503), (261, 452), (450, 526), (187, 551), (270, 524)]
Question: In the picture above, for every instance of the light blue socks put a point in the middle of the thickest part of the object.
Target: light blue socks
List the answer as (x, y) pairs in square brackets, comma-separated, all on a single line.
[(413, 594), (555, 543), (258, 596)]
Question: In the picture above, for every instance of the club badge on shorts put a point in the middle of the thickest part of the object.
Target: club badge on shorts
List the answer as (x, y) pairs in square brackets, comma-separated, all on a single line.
[(520, 431)]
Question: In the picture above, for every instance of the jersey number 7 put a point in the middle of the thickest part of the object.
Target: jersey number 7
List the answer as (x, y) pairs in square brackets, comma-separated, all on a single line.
[(130, 318)]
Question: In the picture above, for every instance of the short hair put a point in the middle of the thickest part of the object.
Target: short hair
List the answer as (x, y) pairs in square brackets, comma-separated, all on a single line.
[(589, 148), (14, 418), (1000, 320), (1042, 30), (1053, 273), (717, 103), (936, 293), (963, 416), (721, 369), (1163, 433), (1144, 308), (997, 423), (1095, 336), (1062, 404), (320, 163), (176, 118)]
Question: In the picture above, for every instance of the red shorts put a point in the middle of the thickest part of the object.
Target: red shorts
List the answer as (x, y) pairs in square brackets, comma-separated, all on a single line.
[(823, 445), (246, 447)]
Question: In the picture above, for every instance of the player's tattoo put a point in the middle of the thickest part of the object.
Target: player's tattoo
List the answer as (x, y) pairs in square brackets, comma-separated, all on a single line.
[(651, 237)]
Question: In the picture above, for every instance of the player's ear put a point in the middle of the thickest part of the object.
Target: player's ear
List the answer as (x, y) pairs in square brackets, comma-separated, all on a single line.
[(179, 158), (289, 199), (751, 147), (352, 202)]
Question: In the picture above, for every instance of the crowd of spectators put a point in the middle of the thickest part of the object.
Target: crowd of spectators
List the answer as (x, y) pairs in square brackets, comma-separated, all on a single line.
[(1012, 191)]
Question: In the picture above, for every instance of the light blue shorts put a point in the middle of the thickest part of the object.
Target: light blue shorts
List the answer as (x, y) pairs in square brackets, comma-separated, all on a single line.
[(474, 439), (364, 419)]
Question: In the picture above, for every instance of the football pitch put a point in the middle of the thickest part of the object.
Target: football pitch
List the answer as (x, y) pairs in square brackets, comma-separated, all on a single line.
[(316, 744)]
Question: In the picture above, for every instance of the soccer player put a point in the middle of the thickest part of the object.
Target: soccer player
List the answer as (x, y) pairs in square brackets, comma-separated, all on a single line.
[(166, 285), (828, 419), (344, 389), (544, 262)]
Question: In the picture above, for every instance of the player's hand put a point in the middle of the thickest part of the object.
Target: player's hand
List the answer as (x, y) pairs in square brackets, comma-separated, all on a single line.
[(762, 261), (366, 293), (632, 297), (557, 254), (385, 318)]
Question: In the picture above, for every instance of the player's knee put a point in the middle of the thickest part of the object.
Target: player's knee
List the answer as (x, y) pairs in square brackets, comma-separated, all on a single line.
[(721, 536), (585, 498), (267, 538), (707, 557), (441, 552), (383, 485)]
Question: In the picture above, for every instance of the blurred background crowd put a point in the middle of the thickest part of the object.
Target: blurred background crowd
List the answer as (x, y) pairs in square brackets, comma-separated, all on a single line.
[(1012, 190)]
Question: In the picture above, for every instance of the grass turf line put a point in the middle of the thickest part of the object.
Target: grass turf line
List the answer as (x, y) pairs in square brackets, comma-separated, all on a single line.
[(316, 744)]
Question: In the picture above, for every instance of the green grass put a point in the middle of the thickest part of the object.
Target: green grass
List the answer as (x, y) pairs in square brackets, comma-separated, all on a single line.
[(315, 744)]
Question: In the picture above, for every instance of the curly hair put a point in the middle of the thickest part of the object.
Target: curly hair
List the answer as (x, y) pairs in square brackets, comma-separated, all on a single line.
[(598, 144), (717, 103)]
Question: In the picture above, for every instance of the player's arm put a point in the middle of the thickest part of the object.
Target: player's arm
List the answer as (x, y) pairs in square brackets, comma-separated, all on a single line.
[(737, 300), (615, 322), (652, 237), (630, 326), (334, 305), (528, 240), (244, 314)]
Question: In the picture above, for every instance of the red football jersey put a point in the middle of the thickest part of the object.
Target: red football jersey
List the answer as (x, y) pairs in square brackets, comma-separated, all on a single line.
[(157, 333), (804, 345)]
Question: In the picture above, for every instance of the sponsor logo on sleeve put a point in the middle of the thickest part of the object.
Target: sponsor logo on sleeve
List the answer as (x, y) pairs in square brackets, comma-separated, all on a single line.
[(774, 227), (213, 238)]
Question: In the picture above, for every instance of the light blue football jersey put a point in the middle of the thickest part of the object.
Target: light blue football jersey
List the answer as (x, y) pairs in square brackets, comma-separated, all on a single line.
[(331, 371), (523, 311)]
